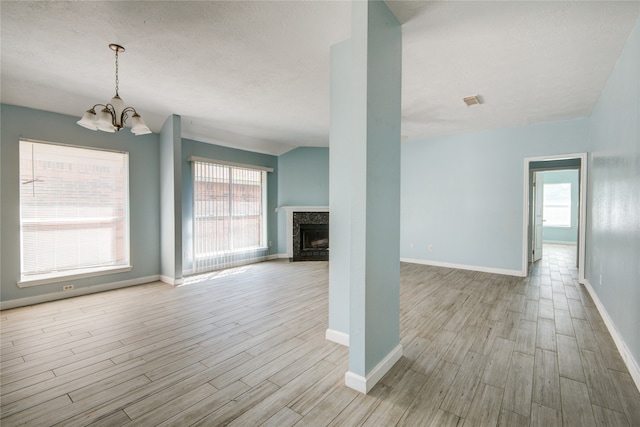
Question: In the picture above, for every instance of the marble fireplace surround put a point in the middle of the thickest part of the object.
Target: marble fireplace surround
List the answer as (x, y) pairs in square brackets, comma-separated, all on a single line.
[(289, 211)]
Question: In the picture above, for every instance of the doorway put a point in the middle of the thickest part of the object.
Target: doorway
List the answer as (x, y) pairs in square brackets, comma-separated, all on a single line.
[(535, 169)]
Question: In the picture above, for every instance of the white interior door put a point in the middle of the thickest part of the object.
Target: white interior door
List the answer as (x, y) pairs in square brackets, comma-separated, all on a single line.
[(538, 203)]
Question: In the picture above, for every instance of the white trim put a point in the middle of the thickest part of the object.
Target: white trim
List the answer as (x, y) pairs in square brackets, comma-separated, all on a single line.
[(26, 281), (171, 281), (627, 356), (223, 254), (480, 268), (582, 223), (365, 384), (65, 144), (559, 242), (337, 337), (582, 217), (356, 382), (282, 256), (226, 163), (70, 276), (289, 230), (21, 302)]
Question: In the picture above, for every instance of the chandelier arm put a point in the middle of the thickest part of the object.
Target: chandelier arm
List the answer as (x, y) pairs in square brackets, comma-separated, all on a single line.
[(111, 109), (93, 109), (125, 114), (129, 109)]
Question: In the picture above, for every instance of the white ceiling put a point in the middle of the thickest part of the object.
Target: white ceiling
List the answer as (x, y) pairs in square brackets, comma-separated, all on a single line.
[(255, 75)]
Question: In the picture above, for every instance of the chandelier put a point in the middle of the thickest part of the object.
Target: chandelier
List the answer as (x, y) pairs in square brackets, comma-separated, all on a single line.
[(113, 115)]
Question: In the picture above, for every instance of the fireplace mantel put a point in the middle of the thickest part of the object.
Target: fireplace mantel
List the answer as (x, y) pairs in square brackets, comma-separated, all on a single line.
[(290, 210)]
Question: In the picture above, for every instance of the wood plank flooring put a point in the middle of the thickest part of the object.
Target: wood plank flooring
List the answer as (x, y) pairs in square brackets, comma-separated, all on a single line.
[(246, 347)]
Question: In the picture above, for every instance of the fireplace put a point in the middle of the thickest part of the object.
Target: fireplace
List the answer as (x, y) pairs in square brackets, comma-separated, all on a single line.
[(310, 236)]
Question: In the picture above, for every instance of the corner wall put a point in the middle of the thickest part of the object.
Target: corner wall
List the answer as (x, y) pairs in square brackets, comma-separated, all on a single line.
[(170, 202), (303, 180)]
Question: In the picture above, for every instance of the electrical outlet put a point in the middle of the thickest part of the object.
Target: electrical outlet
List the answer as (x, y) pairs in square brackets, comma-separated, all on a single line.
[(67, 287), (601, 279), (410, 245), (430, 248), (270, 243)]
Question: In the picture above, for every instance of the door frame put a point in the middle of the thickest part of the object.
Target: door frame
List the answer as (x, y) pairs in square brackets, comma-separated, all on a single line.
[(538, 198), (581, 216)]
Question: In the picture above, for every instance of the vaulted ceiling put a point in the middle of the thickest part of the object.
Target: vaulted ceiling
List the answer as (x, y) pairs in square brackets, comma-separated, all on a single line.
[(255, 74)]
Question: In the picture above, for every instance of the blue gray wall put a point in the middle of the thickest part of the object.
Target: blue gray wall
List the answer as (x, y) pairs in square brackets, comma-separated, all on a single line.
[(463, 194), (613, 215), (303, 180), (144, 196), (564, 235)]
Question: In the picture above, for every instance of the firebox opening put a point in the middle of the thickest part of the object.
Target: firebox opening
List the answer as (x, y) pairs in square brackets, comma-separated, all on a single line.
[(315, 237)]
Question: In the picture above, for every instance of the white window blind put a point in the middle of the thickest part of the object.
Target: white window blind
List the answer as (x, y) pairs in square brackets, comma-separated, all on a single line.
[(74, 210), (557, 205), (229, 215)]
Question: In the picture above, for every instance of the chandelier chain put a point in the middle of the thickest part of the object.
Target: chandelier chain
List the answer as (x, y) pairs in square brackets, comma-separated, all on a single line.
[(117, 81)]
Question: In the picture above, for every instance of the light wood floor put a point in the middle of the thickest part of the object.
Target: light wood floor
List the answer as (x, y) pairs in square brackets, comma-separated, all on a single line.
[(247, 348)]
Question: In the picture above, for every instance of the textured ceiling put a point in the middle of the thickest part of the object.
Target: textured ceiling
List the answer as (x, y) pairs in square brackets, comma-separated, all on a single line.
[(255, 75)]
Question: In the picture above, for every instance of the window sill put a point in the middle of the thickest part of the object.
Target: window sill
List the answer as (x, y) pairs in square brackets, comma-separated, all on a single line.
[(65, 277), (222, 254)]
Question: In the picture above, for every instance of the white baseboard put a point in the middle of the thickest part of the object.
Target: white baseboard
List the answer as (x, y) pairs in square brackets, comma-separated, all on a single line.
[(283, 256), (559, 242), (337, 337), (627, 357), (502, 271), (38, 299), (171, 281), (365, 384)]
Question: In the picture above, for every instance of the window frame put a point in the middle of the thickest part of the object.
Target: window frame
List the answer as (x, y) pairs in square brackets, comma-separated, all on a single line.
[(199, 260), (78, 273)]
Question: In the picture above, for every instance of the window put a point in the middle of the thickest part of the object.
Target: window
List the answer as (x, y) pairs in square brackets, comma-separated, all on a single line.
[(557, 205), (229, 215), (74, 211)]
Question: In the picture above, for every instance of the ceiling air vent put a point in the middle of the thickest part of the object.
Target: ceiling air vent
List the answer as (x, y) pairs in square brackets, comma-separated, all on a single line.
[(472, 100)]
